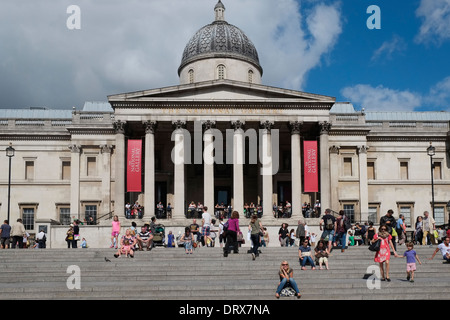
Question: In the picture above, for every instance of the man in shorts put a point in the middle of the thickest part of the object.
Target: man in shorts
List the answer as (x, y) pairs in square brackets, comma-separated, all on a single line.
[(329, 223)]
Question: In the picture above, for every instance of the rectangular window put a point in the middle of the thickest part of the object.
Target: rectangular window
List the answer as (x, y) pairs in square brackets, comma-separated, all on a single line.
[(28, 218), (91, 166), (406, 212), (90, 211), (348, 167), (439, 214), (349, 210), (64, 215), (65, 175), (371, 170), (404, 170), (29, 170), (373, 214), (437, 172)]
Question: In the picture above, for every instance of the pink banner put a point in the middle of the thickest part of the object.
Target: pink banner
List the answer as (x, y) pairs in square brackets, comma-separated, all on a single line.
[(134, 166), (311, 183)]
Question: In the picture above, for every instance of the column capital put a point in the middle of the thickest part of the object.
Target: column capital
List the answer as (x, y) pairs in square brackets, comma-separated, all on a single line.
[(179, 124), (74, 148), (295, 126), (208, 124), (104, 148), (266, 125), (325, 127), (362, 149), (334, 149), (238, 124), (150, 126), (119, 127)]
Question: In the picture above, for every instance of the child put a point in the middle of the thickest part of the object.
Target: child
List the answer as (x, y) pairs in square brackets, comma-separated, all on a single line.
[(411, 257), (115, 232), (170, 240), (84, 243), (126, 248), (312, 239)]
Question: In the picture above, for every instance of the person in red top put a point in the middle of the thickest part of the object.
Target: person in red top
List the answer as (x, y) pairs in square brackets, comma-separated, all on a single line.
[(231, 234)]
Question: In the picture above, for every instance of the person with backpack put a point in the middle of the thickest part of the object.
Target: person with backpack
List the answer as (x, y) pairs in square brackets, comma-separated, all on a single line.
[(342, 225), (329, 223)]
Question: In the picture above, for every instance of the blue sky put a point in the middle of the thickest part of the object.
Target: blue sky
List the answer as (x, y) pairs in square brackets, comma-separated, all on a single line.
[(318, 46)]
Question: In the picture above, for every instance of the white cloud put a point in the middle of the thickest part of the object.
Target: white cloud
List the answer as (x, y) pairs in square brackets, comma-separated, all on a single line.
[(386, 51), (134, 45), (382, 99), (435, 16)]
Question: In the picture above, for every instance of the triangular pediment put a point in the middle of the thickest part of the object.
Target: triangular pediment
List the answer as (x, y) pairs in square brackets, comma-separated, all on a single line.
[(220, 90)]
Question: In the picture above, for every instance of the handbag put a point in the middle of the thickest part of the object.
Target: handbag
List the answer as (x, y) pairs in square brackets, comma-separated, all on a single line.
[(76, 237), (375, 246)]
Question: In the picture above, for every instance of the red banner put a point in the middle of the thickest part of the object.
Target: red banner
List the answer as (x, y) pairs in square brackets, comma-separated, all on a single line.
[(311, 170), (134, 165)]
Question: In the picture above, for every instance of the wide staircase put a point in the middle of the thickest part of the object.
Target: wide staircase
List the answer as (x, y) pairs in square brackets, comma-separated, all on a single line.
[(170, 274)]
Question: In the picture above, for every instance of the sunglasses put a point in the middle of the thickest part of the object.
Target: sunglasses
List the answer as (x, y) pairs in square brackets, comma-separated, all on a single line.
[(284, 264)]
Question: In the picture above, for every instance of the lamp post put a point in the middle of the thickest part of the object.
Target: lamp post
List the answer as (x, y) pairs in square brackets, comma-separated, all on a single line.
[(9, 153), (431, 151)]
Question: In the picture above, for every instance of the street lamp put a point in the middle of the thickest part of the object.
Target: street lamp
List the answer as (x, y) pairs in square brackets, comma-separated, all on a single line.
[(431, 151), (9, 153)]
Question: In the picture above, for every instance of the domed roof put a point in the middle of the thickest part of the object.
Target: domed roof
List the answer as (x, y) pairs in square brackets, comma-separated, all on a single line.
[(220, 40)]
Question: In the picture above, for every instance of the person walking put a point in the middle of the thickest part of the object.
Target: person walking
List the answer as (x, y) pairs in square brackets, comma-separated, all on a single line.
[(5, 234), (283, 235), (231, 234), (383, 256), (329, 222), (411, 256), (428, 227), (17, 233), (256, 229), (286, 278), (341, 230), (300, 234), (401, 229), (418, 231), (389, 221)]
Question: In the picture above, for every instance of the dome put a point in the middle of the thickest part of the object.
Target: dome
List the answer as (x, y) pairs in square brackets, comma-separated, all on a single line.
[(220, 40)]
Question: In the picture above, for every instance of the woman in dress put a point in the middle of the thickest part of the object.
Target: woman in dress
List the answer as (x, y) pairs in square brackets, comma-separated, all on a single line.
[(115, 232), (371, 232), (384, 254)]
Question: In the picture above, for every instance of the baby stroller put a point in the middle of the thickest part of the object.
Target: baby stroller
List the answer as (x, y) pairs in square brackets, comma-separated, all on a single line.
[(159, 235)]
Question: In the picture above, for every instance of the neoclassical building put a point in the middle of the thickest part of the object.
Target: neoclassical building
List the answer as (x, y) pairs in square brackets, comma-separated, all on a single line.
[(221, 135)]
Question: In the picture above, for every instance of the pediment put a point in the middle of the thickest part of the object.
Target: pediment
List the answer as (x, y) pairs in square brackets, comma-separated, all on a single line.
[(219, 91)]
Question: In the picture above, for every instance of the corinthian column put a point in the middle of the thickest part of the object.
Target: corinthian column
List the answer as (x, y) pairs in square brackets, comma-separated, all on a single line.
[(119, 196), (178, 158), (208, 165), (296, 170), (325, 200), (149, 176), (266, 168), (238, 166)]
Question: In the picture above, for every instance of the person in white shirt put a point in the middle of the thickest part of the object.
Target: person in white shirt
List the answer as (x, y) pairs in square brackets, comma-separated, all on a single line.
[(444, 248), (41, 239), (206, 225)]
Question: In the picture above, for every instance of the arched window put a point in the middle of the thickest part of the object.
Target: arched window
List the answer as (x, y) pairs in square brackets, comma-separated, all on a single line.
[(250, 76), (220, 72), (191, 76)]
